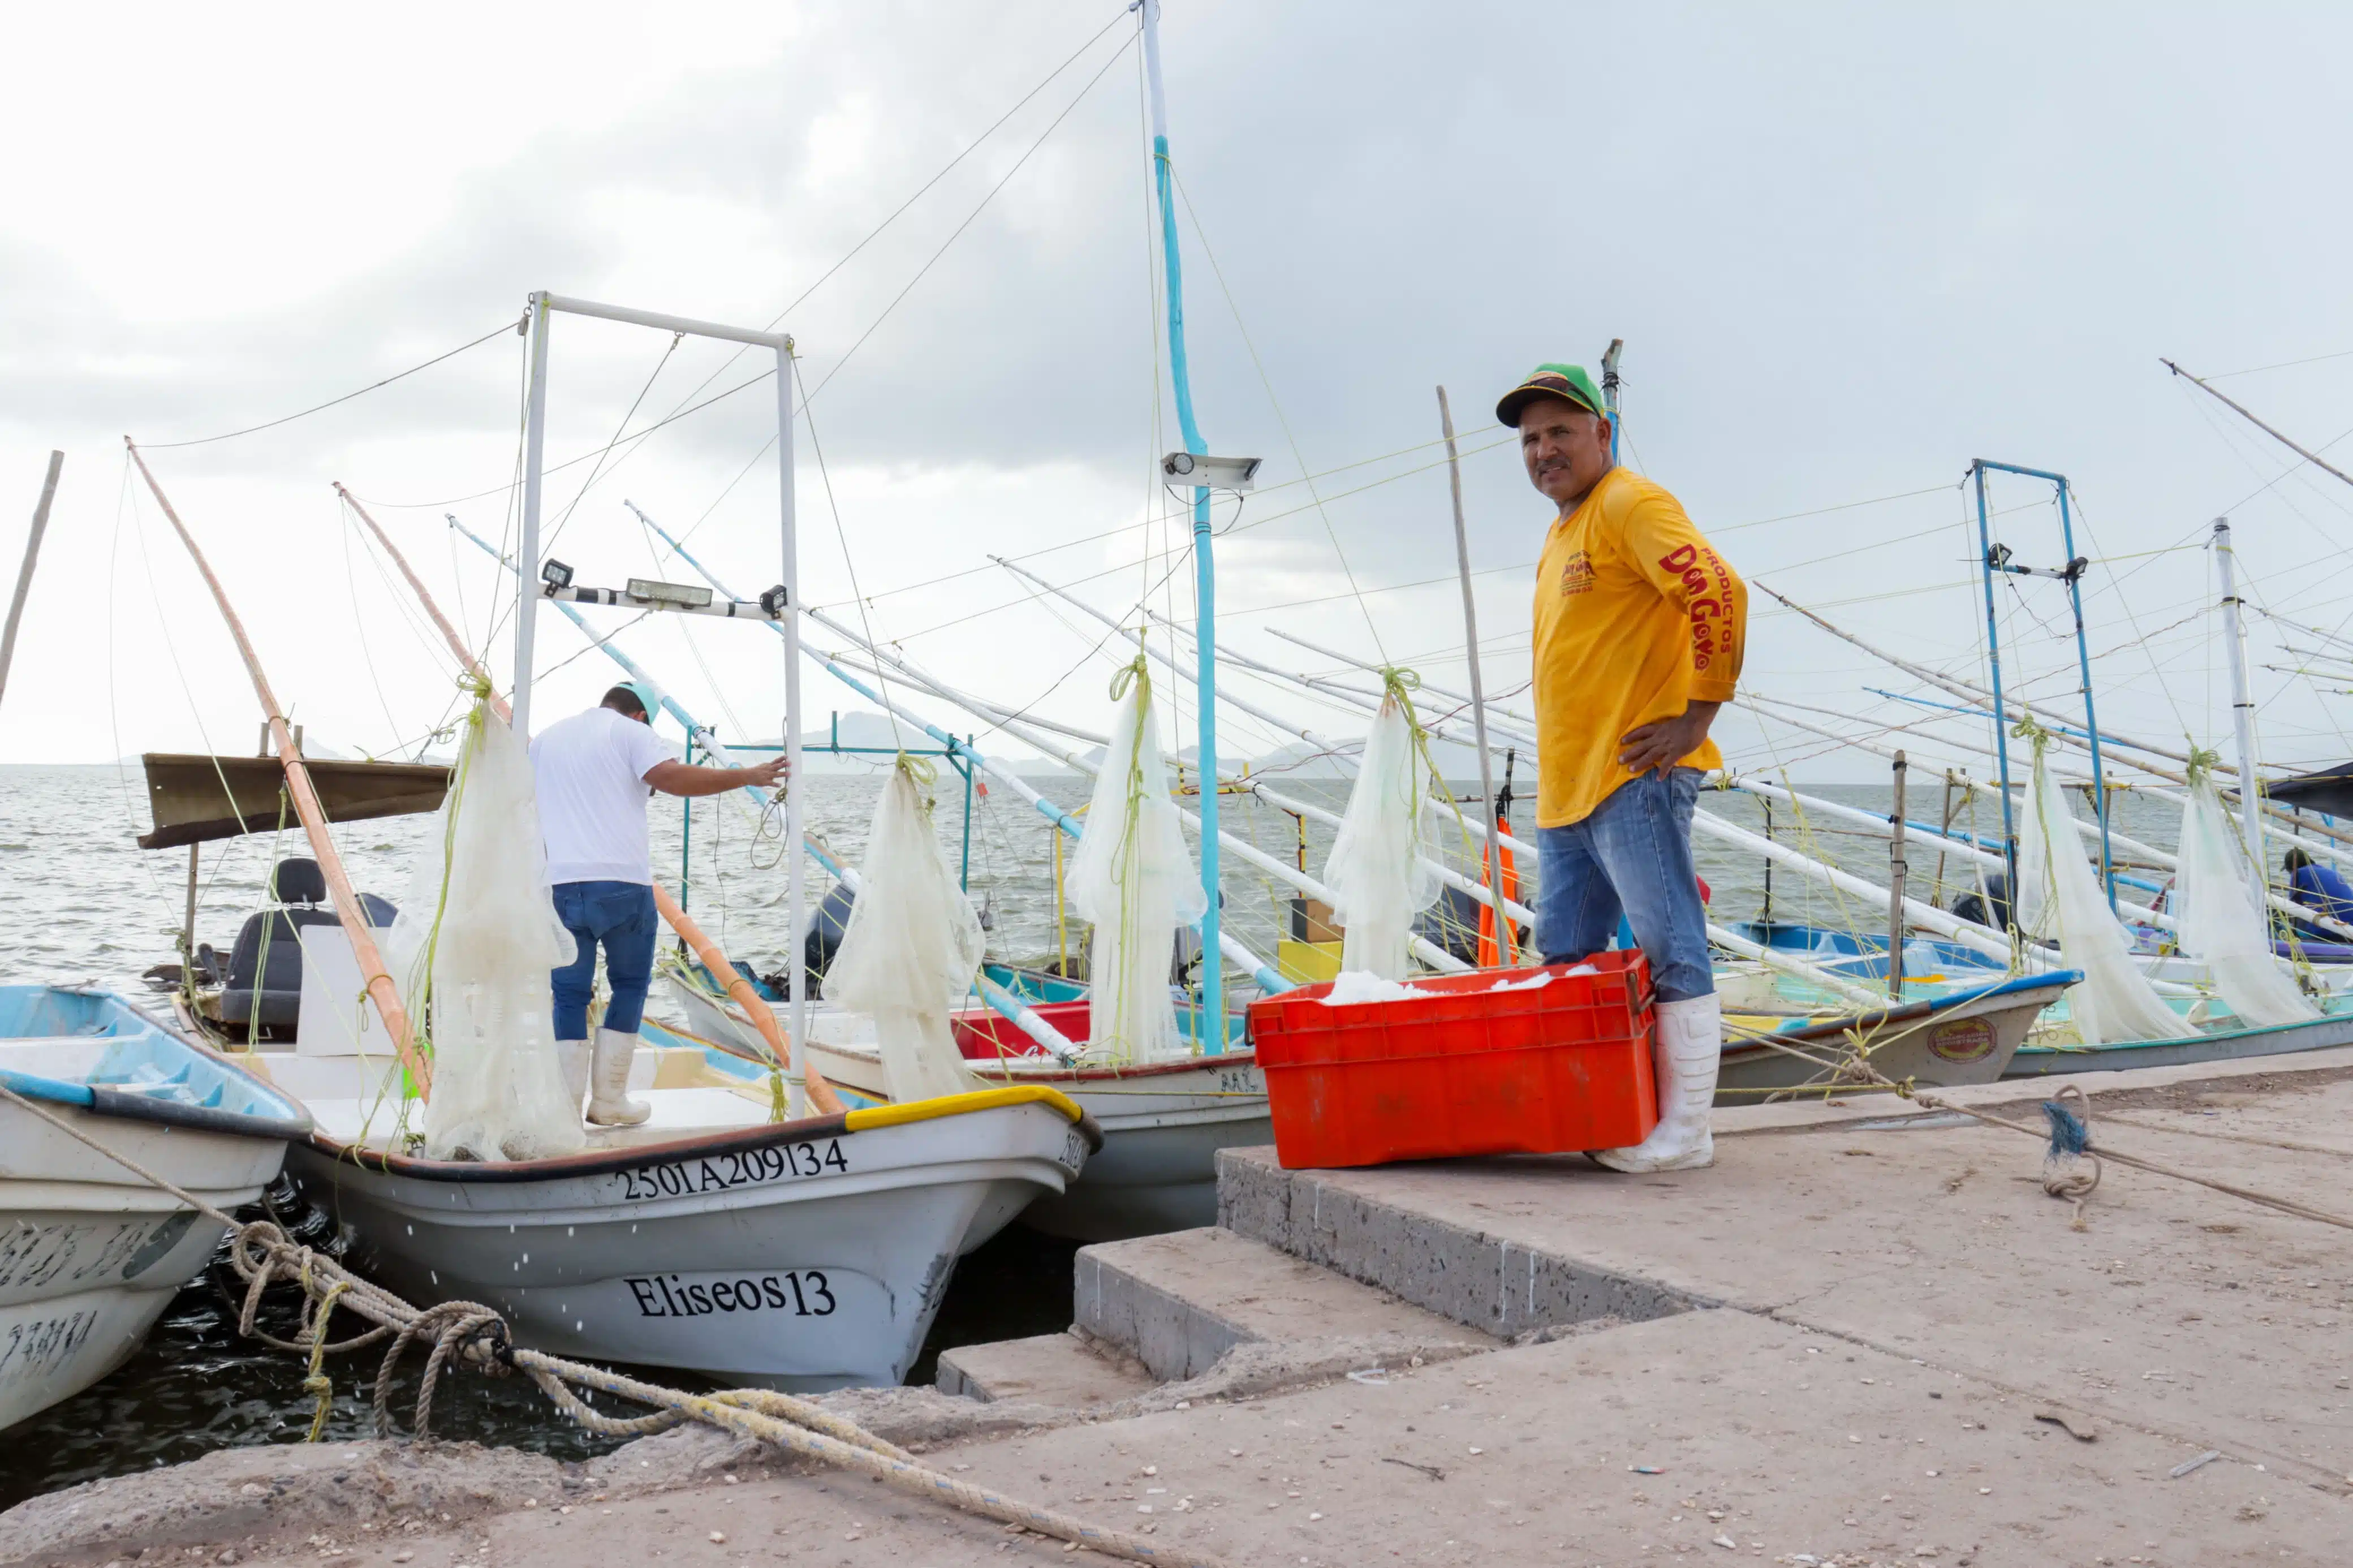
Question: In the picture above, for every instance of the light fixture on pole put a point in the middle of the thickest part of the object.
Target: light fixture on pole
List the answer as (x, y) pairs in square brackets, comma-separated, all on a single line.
[(1201, 472)]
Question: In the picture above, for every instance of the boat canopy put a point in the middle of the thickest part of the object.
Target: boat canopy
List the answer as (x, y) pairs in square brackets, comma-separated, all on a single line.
[(197, 799), (2328, 792)]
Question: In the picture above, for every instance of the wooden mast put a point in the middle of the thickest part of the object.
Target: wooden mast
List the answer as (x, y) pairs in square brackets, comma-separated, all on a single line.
[(457, 643), (25, 572), (380, 988), (764, 1018)]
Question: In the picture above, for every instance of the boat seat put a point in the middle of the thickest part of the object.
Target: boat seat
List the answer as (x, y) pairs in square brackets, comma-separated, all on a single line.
[(299, 880), (281, 983)]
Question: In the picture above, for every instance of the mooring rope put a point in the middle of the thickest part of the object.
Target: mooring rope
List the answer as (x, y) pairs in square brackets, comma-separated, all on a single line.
[(261, 1254), (2070, 1132)]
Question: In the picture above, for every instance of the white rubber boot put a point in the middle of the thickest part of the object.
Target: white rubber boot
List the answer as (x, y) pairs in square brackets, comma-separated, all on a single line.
[(572, 1060), (609, 1104), (1688, 1049)]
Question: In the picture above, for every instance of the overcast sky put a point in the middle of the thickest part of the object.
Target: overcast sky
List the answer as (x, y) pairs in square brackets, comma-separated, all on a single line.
[(1849, 249)]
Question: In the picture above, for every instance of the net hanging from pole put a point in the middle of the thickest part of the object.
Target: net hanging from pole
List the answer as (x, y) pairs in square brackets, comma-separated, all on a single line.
[(2219, 925), (912, 944), (2059, 897), (1133, 878), (1379, 868), (471, 949)]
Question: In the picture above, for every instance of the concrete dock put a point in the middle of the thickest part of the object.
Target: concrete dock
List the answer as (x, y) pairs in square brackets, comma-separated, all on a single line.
[(1865, 1336)]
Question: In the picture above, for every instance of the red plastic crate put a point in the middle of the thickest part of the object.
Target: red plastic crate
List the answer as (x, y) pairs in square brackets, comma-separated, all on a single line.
[(1470, 1070)]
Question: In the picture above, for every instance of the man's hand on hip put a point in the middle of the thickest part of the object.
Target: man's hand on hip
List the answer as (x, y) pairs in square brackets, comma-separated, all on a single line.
[(1661, 743)]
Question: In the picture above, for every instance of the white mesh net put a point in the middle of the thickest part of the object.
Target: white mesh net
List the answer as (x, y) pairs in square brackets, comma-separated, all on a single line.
[(2215, 904), (912, 944), (1133, 878), (2059, 897), (470, 952), (1379, 870)]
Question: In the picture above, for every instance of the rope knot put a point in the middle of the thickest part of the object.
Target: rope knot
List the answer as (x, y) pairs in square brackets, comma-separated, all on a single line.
[(1136, 670)]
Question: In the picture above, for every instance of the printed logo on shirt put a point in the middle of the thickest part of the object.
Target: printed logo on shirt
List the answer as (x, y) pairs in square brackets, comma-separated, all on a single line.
[(1576, 574), (1708, 597)]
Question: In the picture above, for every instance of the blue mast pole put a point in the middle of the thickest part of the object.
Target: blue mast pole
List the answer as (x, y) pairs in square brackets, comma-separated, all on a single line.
[(1204, 581), (2000, 712), (2084, 663)]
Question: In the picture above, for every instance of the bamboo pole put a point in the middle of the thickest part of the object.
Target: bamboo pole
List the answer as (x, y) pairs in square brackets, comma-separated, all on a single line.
[(457, 643), (25, 572), (305, 797), (763, 1016), (2314, 459)]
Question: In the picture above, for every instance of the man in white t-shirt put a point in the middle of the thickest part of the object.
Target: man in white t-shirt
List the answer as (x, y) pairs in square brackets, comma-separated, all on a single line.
[(596, 769)]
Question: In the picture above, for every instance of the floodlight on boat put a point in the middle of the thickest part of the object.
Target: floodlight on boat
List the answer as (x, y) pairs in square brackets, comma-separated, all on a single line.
[(1204, 472), (683, 595), (556, 573), (776, 599)]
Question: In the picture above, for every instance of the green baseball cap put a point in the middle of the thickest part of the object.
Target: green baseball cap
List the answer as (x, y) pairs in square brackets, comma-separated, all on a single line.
[(648, 699), (1566, 381)]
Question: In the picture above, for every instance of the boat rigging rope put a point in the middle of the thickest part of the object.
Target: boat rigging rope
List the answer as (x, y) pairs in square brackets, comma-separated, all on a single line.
[(478, 1337), (500, 331)]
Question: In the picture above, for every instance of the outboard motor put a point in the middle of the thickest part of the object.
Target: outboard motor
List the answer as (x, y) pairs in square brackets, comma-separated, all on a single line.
[(1452, 923), (1993, 909), (825, 931)]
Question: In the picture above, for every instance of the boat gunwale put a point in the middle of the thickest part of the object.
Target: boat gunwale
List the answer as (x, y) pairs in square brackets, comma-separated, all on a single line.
[(610, 1161), (2021, 985), (292, 1126)]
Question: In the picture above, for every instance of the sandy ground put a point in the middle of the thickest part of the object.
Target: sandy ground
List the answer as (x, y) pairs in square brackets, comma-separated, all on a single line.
[(1778, 1441)]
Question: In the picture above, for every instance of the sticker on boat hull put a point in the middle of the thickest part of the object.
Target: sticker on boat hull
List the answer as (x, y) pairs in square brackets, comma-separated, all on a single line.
[(1962, 1040)]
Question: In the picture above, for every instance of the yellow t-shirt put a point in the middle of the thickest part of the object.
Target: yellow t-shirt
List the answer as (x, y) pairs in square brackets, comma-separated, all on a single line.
[(1636, 617)]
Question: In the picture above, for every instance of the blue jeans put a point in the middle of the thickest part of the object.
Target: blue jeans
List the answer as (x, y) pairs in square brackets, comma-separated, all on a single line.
[(621, 916), (1631, 858)]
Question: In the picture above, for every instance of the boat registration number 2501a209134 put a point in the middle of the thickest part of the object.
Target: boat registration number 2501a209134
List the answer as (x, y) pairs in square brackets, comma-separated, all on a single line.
[(736, 1168)]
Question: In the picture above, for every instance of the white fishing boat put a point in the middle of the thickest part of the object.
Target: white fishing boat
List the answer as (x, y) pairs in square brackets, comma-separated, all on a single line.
[(1966, 1037), (729, 1231), (90, 1253), (1162, 1123), (804, 1255)]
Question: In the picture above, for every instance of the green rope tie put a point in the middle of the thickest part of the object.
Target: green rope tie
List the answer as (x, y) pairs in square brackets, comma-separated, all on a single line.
[(317, 1384)]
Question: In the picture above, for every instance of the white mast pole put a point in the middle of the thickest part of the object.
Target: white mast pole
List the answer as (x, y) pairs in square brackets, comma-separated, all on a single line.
[(2242, 719), (795, 885), (1506, 944), (534, 442)]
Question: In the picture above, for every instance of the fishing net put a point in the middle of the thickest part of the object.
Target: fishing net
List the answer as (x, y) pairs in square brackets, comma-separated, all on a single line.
[(2221, 926), (1133, 879), (2060, 898), (471, 949), (912, 944), (1379, 870)]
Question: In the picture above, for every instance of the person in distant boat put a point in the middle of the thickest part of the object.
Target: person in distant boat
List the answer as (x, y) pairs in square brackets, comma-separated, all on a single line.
[(2320, 888), (596, 772), (1640, 630)]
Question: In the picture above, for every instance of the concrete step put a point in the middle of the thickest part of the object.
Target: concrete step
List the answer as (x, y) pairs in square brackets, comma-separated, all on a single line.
[(1178, 1302), (1468, 1260), (1063, 1369)]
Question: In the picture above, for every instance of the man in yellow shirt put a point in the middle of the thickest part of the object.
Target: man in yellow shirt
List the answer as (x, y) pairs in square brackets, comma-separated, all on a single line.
[(1640, 628)]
